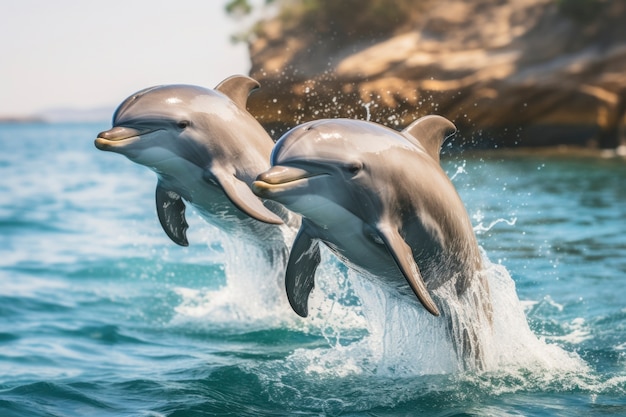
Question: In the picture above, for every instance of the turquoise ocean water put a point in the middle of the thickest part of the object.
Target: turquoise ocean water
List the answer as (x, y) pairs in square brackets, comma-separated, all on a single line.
[(101, 315)]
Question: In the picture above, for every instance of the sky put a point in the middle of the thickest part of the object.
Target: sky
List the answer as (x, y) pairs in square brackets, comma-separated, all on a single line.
[(86, 54)]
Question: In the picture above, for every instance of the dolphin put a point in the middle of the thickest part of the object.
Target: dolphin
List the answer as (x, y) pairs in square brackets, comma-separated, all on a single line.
[(206, 149), (381, 202)]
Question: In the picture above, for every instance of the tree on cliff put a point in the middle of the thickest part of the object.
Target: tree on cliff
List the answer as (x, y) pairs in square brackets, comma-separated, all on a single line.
[(344, 20)]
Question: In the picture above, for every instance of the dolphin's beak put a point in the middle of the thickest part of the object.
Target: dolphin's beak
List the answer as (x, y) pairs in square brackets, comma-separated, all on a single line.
[(281, 174), (115, 136), (273, 179)]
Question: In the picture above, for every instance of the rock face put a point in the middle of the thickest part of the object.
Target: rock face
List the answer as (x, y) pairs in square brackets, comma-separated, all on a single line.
[(508, 73)]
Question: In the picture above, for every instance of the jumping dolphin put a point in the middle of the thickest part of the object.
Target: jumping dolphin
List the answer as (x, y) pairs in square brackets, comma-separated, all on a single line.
[(206, 149), (379, 200)]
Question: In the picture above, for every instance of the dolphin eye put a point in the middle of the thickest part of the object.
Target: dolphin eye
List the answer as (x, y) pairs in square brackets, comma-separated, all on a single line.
[(354, 168), (183, 124)]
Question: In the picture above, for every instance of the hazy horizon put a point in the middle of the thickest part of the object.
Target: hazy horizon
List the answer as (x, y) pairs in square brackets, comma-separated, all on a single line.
[(86, 56)]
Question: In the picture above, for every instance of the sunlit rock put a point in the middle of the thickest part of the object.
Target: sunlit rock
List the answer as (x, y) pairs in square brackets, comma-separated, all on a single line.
[(523, 73)]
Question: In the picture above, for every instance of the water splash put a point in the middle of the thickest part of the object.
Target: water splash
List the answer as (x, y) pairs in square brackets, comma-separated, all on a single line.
[(253, 295), (403, 340), (460, 169), (368, 114), (515, 345), (388, 350), (406, 354), (481, 228), (367, 330)]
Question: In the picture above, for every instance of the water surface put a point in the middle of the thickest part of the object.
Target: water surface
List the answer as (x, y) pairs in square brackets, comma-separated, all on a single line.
[(101, 315)]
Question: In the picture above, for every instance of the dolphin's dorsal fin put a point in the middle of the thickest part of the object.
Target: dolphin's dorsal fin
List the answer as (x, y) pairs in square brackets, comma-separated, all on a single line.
[(403, 255), (300, 274), (238, 88), (430, 132), (171, 212)]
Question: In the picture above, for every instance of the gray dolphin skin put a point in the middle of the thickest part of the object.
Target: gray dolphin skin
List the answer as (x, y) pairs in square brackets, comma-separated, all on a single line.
[(206, 149), (379, 200)]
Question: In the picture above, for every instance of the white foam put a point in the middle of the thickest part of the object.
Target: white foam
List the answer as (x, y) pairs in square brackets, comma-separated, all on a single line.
[(367, 330), (250, 298), (579, 331), (514, 345), (402, 340), (481, 228), (254, 296)]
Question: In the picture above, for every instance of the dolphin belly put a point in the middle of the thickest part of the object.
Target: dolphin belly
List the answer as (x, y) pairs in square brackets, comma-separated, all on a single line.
[(356, 244), (375, 264), (186, 179)]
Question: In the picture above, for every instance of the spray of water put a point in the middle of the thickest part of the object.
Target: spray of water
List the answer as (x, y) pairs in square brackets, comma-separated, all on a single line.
[(395, 338), (253, 296), (481, 228), (405, 353), (403, 340), (374, 349), (368, 114), (371, 335)]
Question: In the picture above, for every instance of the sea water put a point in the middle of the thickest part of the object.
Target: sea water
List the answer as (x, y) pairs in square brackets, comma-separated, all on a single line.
[(101, 315)]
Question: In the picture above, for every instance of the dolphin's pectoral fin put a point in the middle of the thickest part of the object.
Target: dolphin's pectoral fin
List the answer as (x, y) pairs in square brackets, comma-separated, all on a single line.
[(238, 88), (402, 254), (171, 211), (431, 132), (300, 274), (242, 197)]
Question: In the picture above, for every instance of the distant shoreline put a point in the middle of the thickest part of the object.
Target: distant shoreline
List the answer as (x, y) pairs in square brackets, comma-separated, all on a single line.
[(43, 121), (22, 119), (61, 115)]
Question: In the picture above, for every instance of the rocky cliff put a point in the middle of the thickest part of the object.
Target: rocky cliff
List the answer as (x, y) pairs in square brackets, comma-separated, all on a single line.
[(508, 73)]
